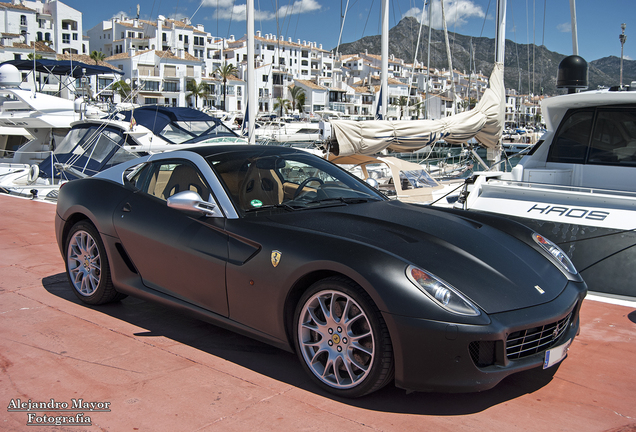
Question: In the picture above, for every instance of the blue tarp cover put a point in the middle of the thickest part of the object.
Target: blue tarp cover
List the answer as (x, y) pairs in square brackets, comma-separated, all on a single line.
[(156, 118), (63, 67)]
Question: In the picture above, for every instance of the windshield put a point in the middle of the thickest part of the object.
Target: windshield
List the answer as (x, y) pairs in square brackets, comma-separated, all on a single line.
[(194, 131), (414, 179), (258, 180)]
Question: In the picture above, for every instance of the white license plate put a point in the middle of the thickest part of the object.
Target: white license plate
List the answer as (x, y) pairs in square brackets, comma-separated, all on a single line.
[(556, 354)]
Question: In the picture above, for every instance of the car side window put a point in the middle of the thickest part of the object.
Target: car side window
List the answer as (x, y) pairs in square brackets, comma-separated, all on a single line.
[(168, 178)]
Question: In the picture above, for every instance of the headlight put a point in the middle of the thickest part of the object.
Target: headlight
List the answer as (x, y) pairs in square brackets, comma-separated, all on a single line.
[(441, 292), (551, 248)]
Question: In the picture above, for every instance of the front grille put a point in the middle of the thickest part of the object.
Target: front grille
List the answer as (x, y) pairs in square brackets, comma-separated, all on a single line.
[(534, 340), (482, 353)]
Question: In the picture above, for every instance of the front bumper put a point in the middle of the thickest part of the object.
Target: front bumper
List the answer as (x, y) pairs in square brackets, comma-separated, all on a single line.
[(436, 356)]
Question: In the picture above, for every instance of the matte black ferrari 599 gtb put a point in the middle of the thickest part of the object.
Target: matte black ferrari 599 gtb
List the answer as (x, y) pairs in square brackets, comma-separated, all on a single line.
[(285, 247)]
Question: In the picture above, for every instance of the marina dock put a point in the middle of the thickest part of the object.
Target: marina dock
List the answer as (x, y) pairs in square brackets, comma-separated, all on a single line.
[(137, 366)]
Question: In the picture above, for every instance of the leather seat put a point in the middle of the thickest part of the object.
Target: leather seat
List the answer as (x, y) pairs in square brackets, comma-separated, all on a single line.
[(262, 185), (183, 178)]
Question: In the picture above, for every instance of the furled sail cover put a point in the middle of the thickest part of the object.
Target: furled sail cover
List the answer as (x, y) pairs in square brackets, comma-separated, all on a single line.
[(484, 122)]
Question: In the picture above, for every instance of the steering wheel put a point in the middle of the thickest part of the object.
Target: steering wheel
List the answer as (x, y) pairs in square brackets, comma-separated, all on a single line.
[(304, 183)]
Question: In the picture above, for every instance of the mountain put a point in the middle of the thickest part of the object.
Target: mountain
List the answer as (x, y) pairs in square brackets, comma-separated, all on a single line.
[(519, 58)]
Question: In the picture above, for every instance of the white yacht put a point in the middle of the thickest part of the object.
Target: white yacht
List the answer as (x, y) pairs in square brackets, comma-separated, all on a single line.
[(32, 123), (577, 186), (94, 144)]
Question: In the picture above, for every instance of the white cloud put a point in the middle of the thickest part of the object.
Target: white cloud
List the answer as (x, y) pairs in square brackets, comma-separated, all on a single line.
[(119, 14), (177, 16), (457, 13), (226, 11), (565, 28)]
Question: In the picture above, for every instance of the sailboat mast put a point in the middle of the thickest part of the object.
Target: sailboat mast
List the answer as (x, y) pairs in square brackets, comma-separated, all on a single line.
[(500, 37), (575, 37), (449, 57), (428, 62), (384, 72), (251, 77)]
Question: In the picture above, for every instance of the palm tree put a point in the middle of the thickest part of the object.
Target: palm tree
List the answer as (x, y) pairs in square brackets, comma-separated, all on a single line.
[(402, 101), (197, 90), (301, 102), (225, 71), (97, 56), (123, 88), (296, 93), (282, 104)]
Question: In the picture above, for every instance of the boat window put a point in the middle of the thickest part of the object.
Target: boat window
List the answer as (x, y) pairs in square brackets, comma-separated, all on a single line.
[(121, 155), (614, 138), (182, 131), (99, 145), (571, 141), (416, 179), (71, 140)]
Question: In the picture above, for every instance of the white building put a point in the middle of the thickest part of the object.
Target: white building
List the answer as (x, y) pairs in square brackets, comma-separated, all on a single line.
[(159, 77)]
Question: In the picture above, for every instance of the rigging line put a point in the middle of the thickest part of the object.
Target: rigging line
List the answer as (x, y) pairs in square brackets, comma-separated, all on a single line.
[(485, 16), (290, 13), (344, 17), (528, 46), (152, 10), (543, 45), (394, 14), (455, 28), (296, 29), (368, 15), (419, 34), (229, 26), (514, 32), (195, 12), (534, 39)]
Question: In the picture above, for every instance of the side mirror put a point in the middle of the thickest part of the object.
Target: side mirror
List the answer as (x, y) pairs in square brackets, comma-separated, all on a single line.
[(191, 201)]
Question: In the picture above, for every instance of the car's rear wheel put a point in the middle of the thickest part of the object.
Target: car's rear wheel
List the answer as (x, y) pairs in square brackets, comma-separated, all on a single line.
[(342, 339), (87, 266)]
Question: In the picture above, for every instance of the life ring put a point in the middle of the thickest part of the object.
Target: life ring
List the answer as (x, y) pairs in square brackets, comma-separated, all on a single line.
[(34, 173)]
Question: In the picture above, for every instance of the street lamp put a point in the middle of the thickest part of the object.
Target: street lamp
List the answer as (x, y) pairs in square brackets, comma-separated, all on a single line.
[(622, 37)]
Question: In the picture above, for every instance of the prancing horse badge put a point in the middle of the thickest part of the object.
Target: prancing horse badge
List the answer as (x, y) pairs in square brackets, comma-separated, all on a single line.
[(276, 255)]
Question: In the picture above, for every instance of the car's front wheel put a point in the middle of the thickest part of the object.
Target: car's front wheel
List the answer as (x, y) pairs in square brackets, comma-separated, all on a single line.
[(87, 266), (342, 339)]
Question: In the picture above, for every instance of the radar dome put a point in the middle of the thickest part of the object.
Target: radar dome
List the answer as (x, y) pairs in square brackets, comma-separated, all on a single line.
[(572, 74), (10, 76)]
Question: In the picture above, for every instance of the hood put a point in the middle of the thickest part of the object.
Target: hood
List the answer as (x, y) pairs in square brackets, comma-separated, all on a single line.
[(496, 270)]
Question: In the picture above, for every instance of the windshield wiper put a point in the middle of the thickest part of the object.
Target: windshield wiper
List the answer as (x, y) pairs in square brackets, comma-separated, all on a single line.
[(283, 206), (343, 200)]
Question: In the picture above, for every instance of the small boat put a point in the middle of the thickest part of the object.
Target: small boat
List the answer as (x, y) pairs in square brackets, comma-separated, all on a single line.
[(283, 132), (399, 179)]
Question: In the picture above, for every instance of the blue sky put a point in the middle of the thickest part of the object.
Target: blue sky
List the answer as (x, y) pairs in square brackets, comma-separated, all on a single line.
[(599, 22)]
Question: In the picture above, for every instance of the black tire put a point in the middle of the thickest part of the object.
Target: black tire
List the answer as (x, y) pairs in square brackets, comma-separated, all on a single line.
[(87, 266), (341, 338)]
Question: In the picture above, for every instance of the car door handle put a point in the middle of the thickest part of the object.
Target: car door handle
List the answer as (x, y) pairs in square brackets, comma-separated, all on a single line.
[(126, 208)]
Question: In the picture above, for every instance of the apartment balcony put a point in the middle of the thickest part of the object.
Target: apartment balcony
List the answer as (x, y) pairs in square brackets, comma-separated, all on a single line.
[(145, 73)]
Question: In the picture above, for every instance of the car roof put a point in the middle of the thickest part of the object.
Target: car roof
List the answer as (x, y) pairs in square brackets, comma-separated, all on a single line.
[(252, 150)]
